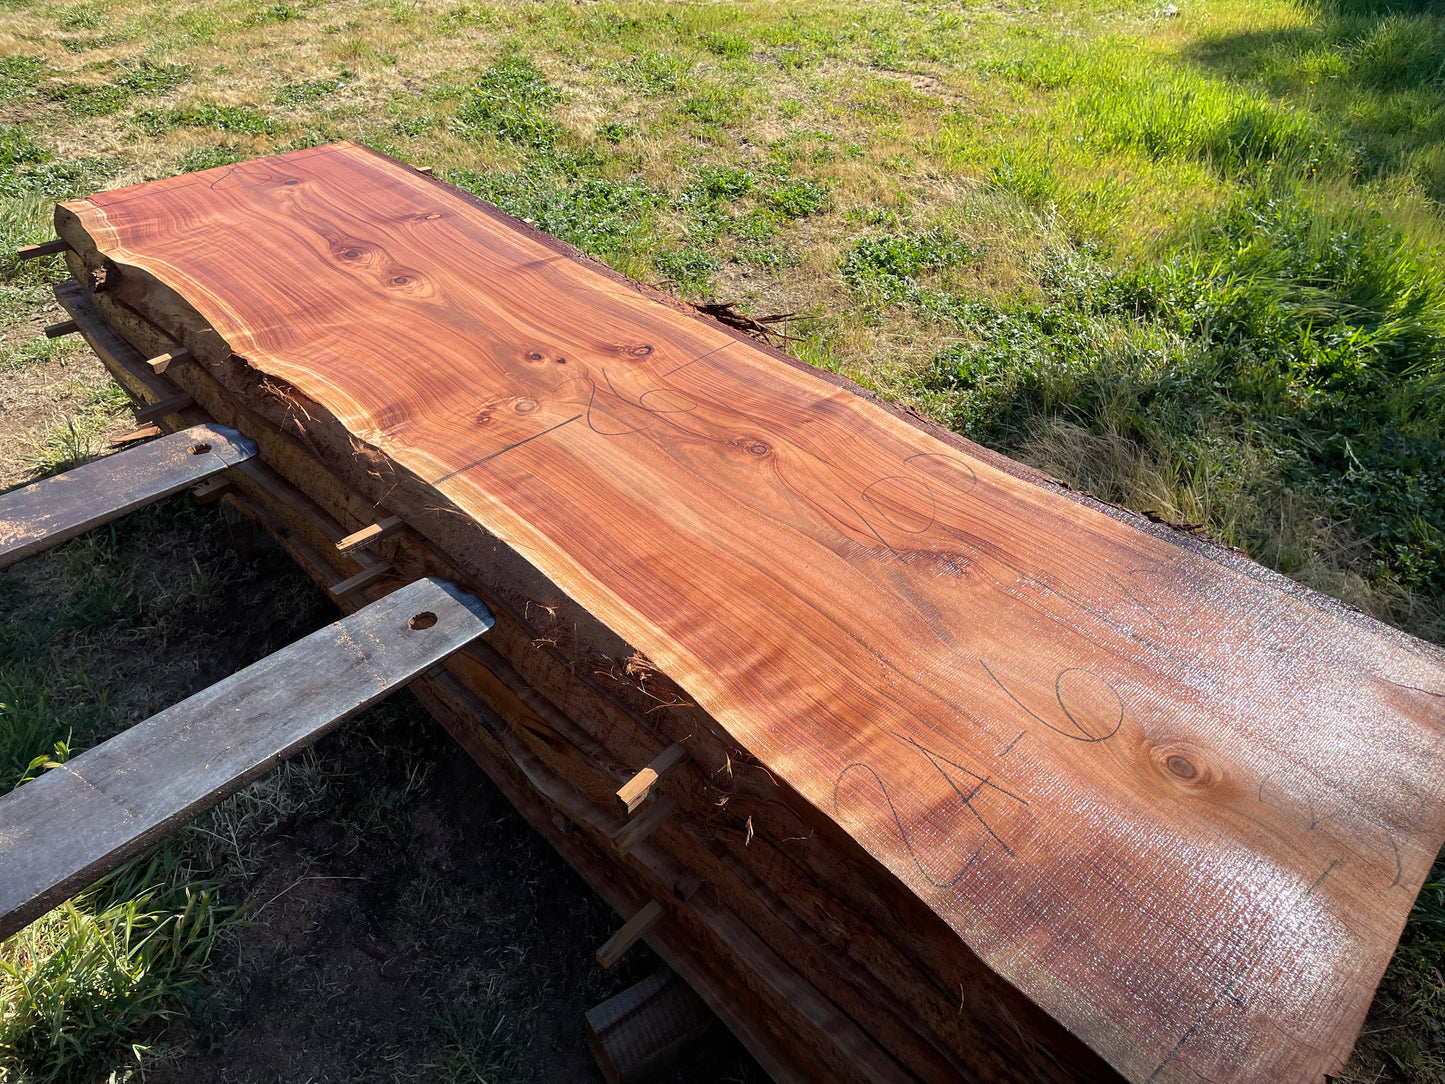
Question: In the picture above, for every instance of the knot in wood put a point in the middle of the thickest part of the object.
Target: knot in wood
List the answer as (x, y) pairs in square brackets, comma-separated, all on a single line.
[(1185, 764)]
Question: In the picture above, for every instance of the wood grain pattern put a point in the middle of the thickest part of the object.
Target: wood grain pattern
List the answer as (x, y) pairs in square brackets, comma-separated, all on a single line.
[(1184, 810), (77, 822), (903, 976)]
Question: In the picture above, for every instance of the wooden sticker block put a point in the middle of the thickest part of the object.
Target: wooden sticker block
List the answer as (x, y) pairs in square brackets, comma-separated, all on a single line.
[(617, 945), (642, 826), (635, 791), (145, 432), (119, 356), (162, 362), (367, 535), (170, 405), (212, 489), (352, 584), (56, 331), (45, 248)]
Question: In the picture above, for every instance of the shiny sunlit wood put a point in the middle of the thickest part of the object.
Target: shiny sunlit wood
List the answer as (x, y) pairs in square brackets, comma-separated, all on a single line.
[(1182, 806)]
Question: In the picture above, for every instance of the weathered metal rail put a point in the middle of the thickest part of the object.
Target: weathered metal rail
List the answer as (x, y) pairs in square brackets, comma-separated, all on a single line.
[(86, 817)]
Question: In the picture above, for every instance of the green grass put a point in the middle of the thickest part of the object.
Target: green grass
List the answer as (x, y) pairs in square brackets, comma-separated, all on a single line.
[(511, 100), (88, 984), (1193, 264), (477, 1044), (76, 437), (87, 989), (1279, 357)]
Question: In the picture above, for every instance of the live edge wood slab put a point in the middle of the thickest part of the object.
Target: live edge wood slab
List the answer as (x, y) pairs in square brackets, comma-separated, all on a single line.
[(1181, 805)]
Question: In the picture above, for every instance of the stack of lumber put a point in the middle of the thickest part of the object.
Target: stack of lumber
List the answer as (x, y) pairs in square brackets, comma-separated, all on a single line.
[(954, 774)]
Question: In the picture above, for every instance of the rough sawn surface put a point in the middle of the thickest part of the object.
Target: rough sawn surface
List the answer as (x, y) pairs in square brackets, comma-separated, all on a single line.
[(1182, 809)]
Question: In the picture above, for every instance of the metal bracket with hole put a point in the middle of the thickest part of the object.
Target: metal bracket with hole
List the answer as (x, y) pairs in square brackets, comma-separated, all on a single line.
[(43, 514), (84, 818)]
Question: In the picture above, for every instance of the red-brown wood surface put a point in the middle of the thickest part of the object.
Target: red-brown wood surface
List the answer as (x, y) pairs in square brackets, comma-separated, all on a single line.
[(1185, 811)]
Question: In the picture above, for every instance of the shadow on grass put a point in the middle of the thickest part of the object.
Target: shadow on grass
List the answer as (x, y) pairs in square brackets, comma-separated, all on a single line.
[(1373, 71)]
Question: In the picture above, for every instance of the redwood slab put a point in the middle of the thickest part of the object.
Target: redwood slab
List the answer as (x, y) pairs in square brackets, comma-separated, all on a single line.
[(1182, 806)]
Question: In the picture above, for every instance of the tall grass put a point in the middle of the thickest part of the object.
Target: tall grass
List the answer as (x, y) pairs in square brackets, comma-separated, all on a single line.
[(1163, 113), (1277, 379), (88, 985)]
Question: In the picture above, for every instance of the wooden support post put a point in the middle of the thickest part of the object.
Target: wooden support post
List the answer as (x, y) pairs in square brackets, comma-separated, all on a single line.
[(635, 791), (161, 362), (65, 327), (47, 512), (120, 357), (367, 535), (144, 432), (640, 827), (212, 489), (647, 1028), (352, 584), (172, 404), (84, 818), (45, 248), (617, 945)]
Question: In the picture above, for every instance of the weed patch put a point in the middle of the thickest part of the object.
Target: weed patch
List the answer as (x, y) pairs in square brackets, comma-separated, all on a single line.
[(222, 154), (890, 266), (723, 43), (477, 1044), (21, 77), (603, 218), (31, 351), (652, 73), (275, 13), (691, 269), (714, 106), (1283, 353), (510, 101), (39, 175), (799, 198), (17, 149), (305, 93), (223, 118)]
